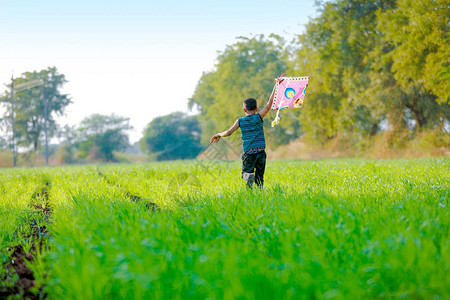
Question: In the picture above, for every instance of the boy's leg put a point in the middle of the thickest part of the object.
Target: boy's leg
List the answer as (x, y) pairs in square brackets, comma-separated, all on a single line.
[(260, 166), (248, 168)]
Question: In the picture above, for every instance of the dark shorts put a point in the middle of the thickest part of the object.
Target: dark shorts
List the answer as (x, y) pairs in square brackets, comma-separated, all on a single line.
[(255, 163)]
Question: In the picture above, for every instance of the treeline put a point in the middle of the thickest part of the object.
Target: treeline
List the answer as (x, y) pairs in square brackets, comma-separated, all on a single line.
[(31, 104), (375, 67), (34, 99)]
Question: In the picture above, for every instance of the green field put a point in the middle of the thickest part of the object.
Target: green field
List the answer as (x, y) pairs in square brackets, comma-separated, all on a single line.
[(331, 229)]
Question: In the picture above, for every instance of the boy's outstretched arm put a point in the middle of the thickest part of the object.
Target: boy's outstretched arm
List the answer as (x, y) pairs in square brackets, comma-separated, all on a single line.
[(228, 132), (267, 108)]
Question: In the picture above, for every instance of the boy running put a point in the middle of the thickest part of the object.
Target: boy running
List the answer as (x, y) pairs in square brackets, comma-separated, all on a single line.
[(254, 144)]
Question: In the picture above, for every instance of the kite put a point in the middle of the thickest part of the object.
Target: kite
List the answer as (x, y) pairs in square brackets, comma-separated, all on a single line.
[(289, 93)]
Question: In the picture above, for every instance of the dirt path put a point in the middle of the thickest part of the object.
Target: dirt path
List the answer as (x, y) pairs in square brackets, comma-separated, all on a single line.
[(134, 198)]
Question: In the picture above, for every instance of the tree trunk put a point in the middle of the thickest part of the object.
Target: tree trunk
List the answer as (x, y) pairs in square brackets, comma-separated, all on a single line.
[(420, 119), (418, 113), (374, 129)]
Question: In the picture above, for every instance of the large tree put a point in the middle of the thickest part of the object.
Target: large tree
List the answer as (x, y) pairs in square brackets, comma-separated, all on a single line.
[(336, 51), (364, 60), (174, 136), (98, 136), (418, 34), (30, 105)]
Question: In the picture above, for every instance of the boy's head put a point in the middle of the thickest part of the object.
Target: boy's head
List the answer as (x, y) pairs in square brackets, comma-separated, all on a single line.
[(250, 104)]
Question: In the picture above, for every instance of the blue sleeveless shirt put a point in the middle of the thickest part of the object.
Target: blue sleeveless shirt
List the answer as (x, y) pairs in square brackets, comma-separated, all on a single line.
[(252, 133)]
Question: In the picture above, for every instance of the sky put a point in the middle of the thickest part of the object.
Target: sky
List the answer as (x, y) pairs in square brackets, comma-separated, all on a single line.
[(138, 59)]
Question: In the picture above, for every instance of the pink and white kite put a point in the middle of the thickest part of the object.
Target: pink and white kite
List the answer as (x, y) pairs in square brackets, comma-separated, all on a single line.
[(289, 93)]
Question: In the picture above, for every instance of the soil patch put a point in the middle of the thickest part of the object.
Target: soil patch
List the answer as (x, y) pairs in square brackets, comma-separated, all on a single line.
[(17, 270)]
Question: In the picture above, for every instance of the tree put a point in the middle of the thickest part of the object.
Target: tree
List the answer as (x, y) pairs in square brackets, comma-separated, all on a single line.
[(174, 136), (68, 145), (336, 51), (245, 69), (30, 104), (98, 136), (418, 34), (367, 64)]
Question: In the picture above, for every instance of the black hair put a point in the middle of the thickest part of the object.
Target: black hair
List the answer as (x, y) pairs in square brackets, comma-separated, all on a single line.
[(250, 104)]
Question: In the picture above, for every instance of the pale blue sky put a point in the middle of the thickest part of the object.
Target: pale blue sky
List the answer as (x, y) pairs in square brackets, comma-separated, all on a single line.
[(114, 53)]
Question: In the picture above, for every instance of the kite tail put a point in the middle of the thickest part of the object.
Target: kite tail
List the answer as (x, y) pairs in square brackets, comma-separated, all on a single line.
[(277, 119)]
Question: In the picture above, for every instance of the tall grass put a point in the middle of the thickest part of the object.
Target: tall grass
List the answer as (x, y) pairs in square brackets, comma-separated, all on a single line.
[(319, 229)]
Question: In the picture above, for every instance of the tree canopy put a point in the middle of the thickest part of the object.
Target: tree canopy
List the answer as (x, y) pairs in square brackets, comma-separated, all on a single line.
[(174, 136), (419, 34), (98, 136)]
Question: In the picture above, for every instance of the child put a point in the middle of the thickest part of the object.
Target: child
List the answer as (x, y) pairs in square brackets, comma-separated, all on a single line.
[(254, 144)]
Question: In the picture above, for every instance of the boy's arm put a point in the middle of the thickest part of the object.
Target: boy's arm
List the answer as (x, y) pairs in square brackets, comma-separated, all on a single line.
[(266, 109), (228, 132)]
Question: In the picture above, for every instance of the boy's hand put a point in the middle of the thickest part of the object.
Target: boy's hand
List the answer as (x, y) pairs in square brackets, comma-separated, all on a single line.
[(230, 131), (215, 139)]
